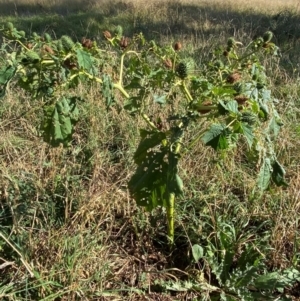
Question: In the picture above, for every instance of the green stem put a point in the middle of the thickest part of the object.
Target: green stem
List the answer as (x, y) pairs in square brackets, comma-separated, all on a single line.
[(121, 89), (171, 196), (194, 141), (186, 92), (122, 65), (148, 121), (170, 216), (99, 80)]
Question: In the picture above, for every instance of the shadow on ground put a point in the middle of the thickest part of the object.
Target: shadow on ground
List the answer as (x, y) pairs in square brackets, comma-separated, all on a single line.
[(173, 19)]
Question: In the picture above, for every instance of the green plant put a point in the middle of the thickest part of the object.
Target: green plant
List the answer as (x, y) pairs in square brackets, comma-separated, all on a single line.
[(226, 99), (238, 264)]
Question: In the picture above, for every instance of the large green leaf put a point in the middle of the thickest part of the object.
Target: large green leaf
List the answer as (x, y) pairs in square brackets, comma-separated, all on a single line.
[(278, 174), (6, 74), (85, 60), (107, 90), (264, 175), (277, 281), (275, 125), (148, 185), (217, 137), (248, 133), (59, 120), (149, 141)]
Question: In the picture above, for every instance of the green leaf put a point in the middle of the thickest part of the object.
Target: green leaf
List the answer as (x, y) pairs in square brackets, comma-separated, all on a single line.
[(248, 133), (278, 174), (228, 107), (264, 110), (148, 185), (232, 106), (135, 83), (6, 74), (59, 120), (179, 184), (197, 252), (264, 175), (151, 140), (108, 90), (222, 91), (84, 59), (216, 137), (273, 281), (160, 99), (275, 125)]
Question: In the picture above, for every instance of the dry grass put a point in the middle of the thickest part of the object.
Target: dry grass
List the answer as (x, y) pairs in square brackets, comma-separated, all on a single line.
[(68, 211)]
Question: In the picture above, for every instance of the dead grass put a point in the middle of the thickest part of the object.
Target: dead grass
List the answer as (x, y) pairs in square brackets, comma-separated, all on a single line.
[(68, 210)]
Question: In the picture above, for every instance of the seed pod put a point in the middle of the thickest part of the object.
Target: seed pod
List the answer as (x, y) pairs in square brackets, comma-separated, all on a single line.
[(233, 78), (29, 45), (203, 110), (31, 57), (241, 99), (231, 42), (182, 70), (47, 38), (225, 53), (267, 37), (268, 45), (35, 36), (219, 64), (177, 46), (153, 46), (48, 49), (87, 43), (59, 45), (229, 49), (248, 118), (124, 42), (69, 64), (168, 63), (239, 87), (107, 34), (67, 43), (118, 31), (9, 26), (22, 33)]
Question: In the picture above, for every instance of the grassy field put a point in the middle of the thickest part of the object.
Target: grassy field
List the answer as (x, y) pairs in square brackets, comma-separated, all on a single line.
[(68, 228)]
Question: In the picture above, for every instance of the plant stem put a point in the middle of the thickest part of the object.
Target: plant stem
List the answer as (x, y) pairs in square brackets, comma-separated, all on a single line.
[(148, 121), (186, 92), (170, 217), (122, 65)]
